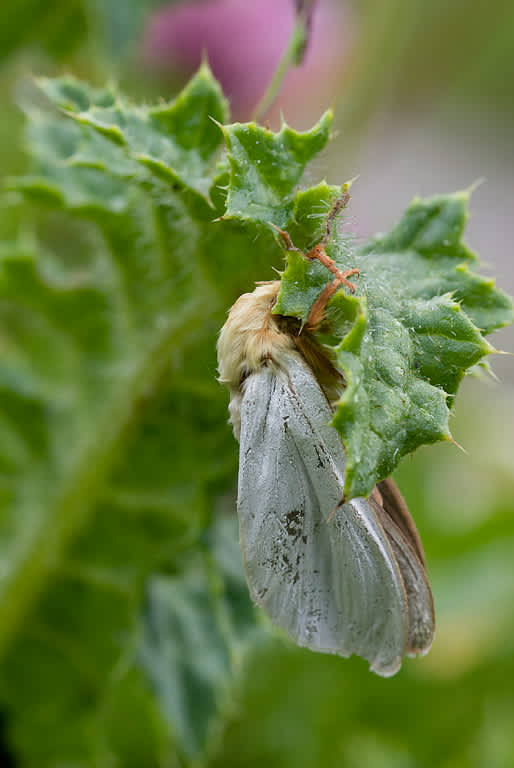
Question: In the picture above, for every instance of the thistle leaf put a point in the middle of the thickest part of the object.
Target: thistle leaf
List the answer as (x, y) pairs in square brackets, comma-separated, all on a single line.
[(417, 321), (408, 336), (110, 301)]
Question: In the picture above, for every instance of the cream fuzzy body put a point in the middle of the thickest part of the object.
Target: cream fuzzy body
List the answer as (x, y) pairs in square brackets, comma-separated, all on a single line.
[(249, 338)]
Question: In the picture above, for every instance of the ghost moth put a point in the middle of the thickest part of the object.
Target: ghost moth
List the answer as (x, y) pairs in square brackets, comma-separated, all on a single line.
[(339, 577)]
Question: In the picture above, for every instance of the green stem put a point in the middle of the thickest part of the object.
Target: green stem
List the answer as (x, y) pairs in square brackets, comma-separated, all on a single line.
[(291, 58)]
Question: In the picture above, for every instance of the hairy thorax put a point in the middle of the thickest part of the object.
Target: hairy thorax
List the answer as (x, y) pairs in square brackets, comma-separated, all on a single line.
[(253, 337)]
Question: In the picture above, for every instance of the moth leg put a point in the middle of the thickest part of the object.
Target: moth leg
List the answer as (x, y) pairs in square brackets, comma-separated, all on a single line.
[(319, 253), (348, 273), (317, 312)]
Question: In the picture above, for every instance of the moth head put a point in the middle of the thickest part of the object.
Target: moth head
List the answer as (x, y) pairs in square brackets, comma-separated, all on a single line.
[(253, 337), (249, 340)]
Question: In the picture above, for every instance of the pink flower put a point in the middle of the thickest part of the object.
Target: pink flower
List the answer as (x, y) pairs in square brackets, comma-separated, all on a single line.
[(244, 41)]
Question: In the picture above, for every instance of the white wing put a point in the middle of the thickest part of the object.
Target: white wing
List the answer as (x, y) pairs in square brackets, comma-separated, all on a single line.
[(332, 586)]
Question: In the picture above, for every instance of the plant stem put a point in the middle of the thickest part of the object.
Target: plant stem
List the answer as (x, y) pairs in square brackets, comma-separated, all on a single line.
[(291, 57)]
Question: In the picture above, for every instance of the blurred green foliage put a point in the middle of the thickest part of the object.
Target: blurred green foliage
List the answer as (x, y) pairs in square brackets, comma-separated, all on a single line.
[(123, 575), (112, 422)]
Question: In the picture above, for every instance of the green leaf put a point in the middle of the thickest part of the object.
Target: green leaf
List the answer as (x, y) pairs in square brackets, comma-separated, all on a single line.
[(266, 168), (406, 339), (83, 524), (419, 316), (190, 633), (177, 142), (70, 93), (110, 306), (185, 655)]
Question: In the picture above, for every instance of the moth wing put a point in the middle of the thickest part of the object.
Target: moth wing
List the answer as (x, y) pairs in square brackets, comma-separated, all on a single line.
[(396, 508), (406, 544), (332, 586)]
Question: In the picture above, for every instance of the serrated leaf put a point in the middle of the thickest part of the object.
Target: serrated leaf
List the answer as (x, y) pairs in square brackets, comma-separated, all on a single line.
[(177, 141), (413, 335), (266, 168), (416, 323), (79, 353), (434, 228), (75, 95), (108, 397)]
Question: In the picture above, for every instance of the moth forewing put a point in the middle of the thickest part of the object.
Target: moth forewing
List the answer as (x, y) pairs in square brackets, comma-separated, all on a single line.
[(334, 587), (353, 582)]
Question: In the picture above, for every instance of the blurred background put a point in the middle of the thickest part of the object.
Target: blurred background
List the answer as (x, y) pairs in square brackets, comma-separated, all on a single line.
[(424, 103)]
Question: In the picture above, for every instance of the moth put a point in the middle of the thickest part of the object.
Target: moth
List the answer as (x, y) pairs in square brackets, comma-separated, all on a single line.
[(343, 578)]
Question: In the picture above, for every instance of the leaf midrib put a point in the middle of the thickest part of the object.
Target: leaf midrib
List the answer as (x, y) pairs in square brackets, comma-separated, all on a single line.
[(70, 515)]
